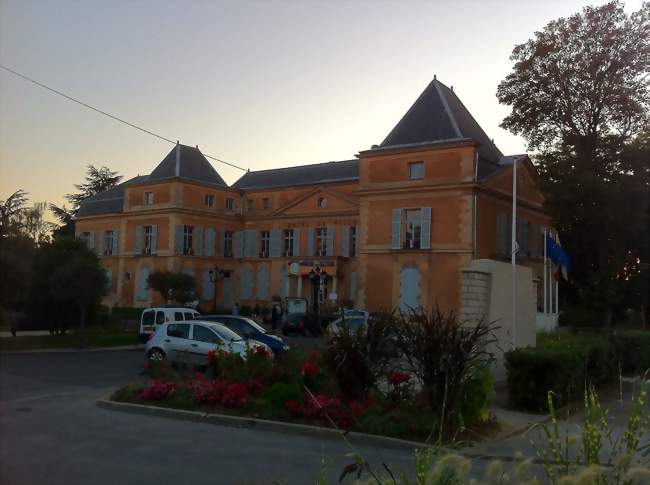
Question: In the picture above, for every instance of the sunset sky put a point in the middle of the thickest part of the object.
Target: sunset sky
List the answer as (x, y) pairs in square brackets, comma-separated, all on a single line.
[(259, 84)]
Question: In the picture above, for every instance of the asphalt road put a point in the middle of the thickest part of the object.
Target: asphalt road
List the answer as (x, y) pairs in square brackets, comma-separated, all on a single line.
[(51, 432)]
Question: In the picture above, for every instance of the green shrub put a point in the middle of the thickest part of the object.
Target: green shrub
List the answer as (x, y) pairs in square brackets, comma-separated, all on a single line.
[(276, 395), (475, 397), (561, 363), (632, 350), (126, 313), (128, 393)]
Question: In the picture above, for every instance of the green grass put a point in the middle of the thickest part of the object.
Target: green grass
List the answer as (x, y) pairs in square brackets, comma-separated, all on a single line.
[(92, 338)]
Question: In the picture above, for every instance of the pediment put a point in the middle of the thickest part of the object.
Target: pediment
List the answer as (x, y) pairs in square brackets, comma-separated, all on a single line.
[(308, 203), (527, 185)]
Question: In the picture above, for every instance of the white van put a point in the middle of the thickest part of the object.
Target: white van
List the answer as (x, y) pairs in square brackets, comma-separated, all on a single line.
[(151, 317)]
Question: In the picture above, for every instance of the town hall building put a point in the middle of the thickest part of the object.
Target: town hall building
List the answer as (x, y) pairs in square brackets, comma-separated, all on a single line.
[(392, 228)]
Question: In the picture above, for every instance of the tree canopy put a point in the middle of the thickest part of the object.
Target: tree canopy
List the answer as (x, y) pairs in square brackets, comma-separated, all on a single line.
[(579, 95)]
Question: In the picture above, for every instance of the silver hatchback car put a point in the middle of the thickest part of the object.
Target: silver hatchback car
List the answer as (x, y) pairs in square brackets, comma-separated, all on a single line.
[(190, 342)]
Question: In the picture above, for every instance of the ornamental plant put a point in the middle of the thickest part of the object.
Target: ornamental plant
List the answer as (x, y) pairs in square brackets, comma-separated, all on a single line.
[(399, 382), (157, 390)]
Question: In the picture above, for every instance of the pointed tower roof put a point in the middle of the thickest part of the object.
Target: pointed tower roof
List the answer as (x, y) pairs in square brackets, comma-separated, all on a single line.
[(188, 163), (439, 115)]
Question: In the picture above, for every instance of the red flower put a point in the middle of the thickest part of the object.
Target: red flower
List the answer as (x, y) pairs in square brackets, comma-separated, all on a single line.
[(236, 396), (314, 356), (262, 352), (208, 391), (254, 385), (309, 370), (157, 390), (358, 408), (397, 378), (213, 356), (292, 407)]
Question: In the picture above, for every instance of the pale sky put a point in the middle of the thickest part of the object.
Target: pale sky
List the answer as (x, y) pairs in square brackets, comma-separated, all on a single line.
[(260, 84)]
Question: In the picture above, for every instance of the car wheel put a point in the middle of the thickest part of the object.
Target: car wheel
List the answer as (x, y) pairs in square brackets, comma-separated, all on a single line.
[(156, 355)]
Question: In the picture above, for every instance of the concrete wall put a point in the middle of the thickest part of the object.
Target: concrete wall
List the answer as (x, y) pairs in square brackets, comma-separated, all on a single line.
[(486, 292)]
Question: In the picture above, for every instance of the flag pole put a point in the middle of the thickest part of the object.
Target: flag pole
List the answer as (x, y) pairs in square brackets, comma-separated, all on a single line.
[(557, 283), (545, 276), (513, 255)]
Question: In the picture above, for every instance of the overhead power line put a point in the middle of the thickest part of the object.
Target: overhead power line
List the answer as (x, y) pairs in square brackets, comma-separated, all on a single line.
[(86, 105)]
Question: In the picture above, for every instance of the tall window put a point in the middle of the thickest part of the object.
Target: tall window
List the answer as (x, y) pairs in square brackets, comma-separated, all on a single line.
[(353, 241), (287, 242), (148, 240), (148, 198), (249, 204), (265, 243), (416, 170), (209, 200), (188, 240), (321, 241), (227, 244), (412, 221), (230, 204), (265, 203), (109, 241)]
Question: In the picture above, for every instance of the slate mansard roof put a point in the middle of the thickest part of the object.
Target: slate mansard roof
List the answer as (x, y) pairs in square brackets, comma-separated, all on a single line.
[(187, 163), (438, 115), (318, 173)]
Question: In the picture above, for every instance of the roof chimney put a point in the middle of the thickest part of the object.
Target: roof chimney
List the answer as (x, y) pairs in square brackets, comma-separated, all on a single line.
[(452, 87), (434, 77)]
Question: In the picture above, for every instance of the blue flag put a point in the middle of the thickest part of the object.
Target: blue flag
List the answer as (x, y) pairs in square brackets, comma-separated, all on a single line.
[(556, 254)]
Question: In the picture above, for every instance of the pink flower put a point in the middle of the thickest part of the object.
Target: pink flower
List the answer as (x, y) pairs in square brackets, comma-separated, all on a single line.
[(157, 390)]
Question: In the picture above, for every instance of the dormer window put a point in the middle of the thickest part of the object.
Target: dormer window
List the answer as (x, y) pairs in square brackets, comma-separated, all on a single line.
[(416, 170), (249, 204), (322, 202), (265, 203), (230, 204), (148, 198)]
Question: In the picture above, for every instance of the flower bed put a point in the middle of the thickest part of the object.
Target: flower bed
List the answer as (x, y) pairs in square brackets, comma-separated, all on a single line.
[(313, 388)]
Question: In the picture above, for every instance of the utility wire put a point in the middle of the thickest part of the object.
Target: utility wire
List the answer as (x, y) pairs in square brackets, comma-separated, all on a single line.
[(86, 105)]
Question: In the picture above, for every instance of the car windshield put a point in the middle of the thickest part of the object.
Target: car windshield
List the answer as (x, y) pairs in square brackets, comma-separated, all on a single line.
[(225, 332), (354, 323), (257, 328)]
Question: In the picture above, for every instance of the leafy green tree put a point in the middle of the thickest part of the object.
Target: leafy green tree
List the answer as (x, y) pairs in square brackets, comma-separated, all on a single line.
[(97, 180), (174, 286), (579, 95), (68, 282)]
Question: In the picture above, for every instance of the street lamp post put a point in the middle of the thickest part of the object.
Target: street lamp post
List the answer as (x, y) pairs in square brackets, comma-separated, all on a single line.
[(214, 277)]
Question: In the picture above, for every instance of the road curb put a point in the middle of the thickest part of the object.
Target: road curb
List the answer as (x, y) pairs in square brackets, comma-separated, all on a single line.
[(73, 349), (262, 424)]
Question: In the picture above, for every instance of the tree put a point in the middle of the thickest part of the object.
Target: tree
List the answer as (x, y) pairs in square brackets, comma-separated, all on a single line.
[(578, 95), (68, 282), (10, 212), (97, 180), (178, 287), (33, 225)]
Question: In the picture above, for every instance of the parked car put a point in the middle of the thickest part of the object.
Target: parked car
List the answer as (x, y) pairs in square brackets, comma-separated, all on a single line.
[(250, 330), (353, 323), (153, 317), (190, 342), (294, 318)]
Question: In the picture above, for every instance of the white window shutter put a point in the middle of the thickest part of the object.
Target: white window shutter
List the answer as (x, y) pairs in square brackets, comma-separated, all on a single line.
[(238, 243), (425, 232), (100, 246), (310, 241), (116, 242), (275, 243), (345, 244), (154, 239), (330, 241), (197, 240), (296, 241), (138, 239), (396, 226)]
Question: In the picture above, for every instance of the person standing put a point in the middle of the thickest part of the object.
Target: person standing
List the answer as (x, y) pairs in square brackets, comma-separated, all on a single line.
[(275, 317)]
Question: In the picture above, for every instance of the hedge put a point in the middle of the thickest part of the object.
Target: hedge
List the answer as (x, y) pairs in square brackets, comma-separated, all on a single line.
[(632, 350), (564, 362), (562, 366)]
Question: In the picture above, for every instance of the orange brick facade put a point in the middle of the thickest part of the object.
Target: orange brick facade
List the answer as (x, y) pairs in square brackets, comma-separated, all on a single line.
[(386, 238)]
